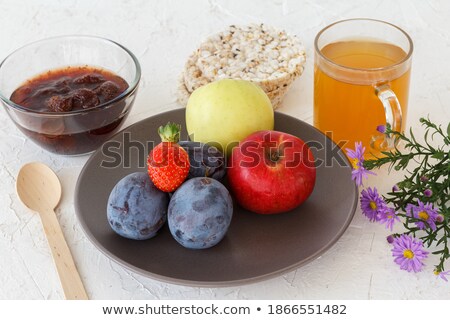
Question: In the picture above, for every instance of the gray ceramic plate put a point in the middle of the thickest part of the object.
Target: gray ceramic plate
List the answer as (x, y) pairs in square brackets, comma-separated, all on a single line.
[(256, 247)]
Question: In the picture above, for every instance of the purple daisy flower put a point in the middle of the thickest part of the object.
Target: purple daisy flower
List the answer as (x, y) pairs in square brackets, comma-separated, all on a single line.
[(409, 253), (425, 212), (388, 217), (395, 188), (357, 159), (372, 204), (409, 210), (442, 274)]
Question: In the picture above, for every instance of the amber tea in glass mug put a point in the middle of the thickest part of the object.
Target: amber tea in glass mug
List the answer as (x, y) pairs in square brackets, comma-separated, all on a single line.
[(361, 81)]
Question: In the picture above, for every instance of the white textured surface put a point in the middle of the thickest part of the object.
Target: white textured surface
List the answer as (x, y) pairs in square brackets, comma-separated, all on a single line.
[(162, 34)]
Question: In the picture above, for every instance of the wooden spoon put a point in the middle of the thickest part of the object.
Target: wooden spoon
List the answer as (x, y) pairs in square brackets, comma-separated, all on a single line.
[(39, 189)]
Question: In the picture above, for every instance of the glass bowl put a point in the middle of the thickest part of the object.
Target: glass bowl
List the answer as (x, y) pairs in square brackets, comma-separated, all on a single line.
[(79, 131)]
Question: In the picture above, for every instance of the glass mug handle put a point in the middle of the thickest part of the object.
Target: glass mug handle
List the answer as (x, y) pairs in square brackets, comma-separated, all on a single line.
[(393, 114)]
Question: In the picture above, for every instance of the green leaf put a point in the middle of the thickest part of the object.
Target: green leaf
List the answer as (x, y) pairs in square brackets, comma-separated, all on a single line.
[(448, 130), (440, 241), (404, 162), (439, 154), (406, 184), (170, 132)]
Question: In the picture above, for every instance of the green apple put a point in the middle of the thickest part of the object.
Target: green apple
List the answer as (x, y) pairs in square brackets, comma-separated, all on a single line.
[(224, 112)]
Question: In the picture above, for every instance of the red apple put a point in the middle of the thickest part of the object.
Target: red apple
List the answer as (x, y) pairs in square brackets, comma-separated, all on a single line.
[(271, 172)]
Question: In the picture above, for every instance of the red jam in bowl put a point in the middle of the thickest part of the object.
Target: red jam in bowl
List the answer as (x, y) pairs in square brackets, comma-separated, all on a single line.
[(65, 92)]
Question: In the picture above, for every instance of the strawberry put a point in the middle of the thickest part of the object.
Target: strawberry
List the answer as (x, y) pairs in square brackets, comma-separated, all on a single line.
[(168, 163)]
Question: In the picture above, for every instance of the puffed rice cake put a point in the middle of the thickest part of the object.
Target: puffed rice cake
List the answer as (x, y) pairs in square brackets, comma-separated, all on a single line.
[(259, 53)]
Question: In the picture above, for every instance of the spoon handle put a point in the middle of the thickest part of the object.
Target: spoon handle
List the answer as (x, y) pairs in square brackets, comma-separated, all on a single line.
[(70, 279)]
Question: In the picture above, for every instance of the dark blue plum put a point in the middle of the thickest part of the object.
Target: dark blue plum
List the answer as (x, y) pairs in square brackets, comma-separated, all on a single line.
[(136, 208), (200, 213), (205, 160)]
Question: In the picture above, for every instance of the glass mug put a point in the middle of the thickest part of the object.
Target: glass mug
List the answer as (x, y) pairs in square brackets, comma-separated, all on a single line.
[(361, 81)]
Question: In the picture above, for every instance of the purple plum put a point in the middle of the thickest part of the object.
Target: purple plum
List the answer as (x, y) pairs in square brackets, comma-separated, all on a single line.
[(200, 213), (136, 208)]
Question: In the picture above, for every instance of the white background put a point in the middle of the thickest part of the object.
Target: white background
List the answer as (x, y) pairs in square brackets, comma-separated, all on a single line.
[(162, 34)]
